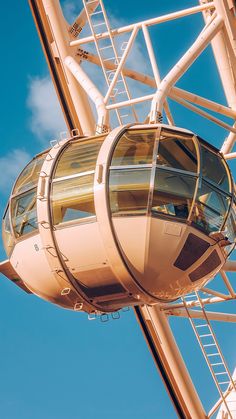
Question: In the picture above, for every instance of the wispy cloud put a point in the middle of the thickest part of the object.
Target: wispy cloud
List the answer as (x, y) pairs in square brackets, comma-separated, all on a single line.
[(11, 165), (46, 120), (70, 10)]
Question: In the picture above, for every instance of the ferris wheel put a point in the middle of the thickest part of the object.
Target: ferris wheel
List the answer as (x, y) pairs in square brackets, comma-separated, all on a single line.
[(134, 206)]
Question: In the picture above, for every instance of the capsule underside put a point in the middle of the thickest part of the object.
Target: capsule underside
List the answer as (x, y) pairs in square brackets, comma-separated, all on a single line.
[(141, 215)]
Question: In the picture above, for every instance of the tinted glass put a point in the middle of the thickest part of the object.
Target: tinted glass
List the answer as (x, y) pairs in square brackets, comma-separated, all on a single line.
[(173, 193), (177, 152), (24, 217), (230, 229), (78, 157), (72, 199), (8, 239), (210, 209), (134, 147), (29, 176), (214, 169), (129, 191)]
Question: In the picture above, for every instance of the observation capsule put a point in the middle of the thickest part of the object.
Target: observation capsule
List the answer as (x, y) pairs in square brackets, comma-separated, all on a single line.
[(142, 215)]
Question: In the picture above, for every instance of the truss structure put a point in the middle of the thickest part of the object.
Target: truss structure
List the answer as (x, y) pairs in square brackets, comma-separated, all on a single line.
[(93, 66)]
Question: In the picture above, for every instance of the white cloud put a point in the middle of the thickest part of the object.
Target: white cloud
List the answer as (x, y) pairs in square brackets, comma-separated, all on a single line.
[(46, 116), (70, 10), (10, 166)]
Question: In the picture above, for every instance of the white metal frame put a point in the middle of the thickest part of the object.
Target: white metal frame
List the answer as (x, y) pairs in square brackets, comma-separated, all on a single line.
[(67, 48)]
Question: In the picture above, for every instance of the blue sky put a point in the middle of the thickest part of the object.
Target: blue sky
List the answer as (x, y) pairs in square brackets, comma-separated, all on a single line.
[(56, 364)]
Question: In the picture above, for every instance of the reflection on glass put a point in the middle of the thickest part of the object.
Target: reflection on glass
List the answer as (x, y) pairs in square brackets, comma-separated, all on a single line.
[(230, 229), (210, 208), (8, 239), (213, 168), (73, 199), (29, 176), (129, 191), (24, 217), (78, 157), (134, 147), (177, 152), (173, 193)]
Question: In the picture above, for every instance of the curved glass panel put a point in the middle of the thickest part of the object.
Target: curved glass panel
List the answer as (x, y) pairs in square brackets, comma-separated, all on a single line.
[(230, 229), (29, 176), (78, 157), (210, 208), (134, 147), (72, 199), (24, 216), (8, 239), (173, 193), (72, 188), (129, 191), (177, 151), (214, 169)]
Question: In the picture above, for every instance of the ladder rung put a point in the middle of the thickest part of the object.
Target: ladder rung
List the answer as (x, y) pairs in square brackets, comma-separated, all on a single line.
[(96, 13), (202, 325), (203, 336), (216, 354), (99, 24), (224, 382), (108, 46), (110, 76), (216, 363), (221, 373), (124, 116), (91, 1), (109, 59), (122, 92), (209, 344)]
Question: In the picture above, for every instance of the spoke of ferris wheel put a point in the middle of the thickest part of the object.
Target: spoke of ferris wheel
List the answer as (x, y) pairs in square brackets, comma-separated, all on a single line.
[(208, 342), (191, 303), (218, 404), (218, 108), (132, 74), (227, 283), (231, 138), (175, 91), (149, 22), (212, 315), (123, 88), (77, 26), (156, 317)]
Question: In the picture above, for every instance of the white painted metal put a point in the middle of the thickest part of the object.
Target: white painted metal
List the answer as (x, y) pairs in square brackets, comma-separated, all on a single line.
[(171, 357), (211, 351), (231, 402), (220, 31), (182, 65), (149, 22), (92, 91), (59, 40), (110, 76)]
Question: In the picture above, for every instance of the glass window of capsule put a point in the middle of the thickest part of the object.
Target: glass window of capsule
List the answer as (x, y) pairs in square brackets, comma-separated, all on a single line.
[(173, 175), (20, 217), (72, 196), (157, 172)]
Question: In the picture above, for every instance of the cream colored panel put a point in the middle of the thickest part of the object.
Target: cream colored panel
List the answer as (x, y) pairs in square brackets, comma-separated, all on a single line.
[(81, 245), (131, 233), (29, 261)]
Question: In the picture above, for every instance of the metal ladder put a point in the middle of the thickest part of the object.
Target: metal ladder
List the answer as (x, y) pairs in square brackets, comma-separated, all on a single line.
[(210, 349), (106, 51)]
